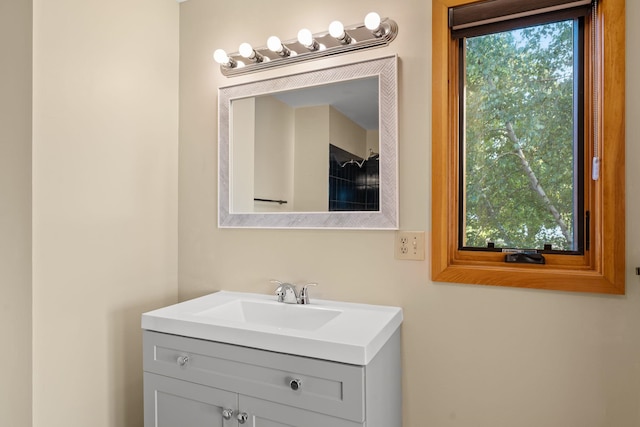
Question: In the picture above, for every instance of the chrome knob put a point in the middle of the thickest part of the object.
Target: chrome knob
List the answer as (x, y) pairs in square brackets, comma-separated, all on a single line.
[(242, 417), (183, 360), (295, 384), (227, 414)]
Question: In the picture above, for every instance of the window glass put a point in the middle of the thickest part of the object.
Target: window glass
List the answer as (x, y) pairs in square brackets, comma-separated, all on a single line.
[(521, 139)]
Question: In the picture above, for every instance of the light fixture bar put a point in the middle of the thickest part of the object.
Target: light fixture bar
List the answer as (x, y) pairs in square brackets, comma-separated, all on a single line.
[(356, 37)]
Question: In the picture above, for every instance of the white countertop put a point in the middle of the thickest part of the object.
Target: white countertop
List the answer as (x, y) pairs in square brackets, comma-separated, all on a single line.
[(353, 333)]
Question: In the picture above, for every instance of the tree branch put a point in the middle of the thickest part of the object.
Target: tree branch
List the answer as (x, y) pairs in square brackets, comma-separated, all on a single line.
[(535, 184)]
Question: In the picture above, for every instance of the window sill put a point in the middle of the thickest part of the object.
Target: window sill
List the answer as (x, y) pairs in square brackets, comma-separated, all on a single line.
[(531, 276)]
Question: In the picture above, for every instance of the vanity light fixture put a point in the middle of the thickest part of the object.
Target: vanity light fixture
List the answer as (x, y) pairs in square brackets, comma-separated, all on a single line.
[(373, 32)]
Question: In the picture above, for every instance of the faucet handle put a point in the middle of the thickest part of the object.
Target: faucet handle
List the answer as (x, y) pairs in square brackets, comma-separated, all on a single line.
[(304, 293)]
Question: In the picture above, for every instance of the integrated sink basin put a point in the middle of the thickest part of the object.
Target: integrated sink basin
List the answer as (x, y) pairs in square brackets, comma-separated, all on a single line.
[(339, 331), (279, 315)]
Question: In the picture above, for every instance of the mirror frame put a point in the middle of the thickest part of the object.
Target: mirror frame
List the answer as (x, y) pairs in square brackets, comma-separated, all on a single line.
[(385, 69)]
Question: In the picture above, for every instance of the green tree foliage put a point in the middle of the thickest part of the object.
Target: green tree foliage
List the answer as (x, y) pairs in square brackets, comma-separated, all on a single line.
[(519, 148)]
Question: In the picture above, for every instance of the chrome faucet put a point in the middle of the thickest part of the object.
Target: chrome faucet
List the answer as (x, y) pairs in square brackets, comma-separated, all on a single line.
[(286, 293)]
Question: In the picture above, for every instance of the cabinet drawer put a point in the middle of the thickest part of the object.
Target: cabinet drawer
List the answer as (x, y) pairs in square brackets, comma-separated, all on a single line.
[(327, 387)]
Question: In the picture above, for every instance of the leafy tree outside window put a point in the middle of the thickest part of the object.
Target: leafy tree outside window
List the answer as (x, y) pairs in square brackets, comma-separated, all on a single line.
[(521, 186)]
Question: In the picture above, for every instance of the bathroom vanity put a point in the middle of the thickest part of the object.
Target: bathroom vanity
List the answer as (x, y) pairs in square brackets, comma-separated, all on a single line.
[(233, 359)]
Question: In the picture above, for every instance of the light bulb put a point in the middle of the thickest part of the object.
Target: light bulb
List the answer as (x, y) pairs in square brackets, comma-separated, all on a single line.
[(372, 21), (221, 57), (274, 44), (336, 29), (305, 37), (246, 50)]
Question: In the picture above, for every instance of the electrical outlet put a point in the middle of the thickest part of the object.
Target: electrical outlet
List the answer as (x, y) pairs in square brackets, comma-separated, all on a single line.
[(409, 245)]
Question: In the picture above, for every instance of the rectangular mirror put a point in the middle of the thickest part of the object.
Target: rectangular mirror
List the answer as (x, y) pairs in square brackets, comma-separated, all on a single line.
[(311, 150)]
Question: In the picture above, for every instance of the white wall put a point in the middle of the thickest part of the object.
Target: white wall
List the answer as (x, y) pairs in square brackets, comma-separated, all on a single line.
[(105, 123), (15, 213), (473, 356)]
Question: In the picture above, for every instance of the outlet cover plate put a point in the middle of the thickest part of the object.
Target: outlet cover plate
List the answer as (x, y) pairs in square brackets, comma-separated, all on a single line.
[(409, 245)]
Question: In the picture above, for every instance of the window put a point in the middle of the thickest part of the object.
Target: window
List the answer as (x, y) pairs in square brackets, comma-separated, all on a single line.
[(522, 104)]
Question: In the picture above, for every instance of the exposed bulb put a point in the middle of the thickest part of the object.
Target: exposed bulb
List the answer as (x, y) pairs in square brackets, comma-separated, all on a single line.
[(305, 37), (221, 57), (246, 50), (274, 44), (372, 21), (336, 29)]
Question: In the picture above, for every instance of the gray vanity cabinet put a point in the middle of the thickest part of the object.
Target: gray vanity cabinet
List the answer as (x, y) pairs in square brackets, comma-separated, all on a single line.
[(192, 382)]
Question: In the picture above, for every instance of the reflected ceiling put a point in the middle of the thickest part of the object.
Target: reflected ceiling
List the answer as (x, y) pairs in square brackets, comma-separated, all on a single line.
[(356, 99)]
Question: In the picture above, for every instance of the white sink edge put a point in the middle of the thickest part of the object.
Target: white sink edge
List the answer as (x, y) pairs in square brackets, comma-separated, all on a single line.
[(358, 349)]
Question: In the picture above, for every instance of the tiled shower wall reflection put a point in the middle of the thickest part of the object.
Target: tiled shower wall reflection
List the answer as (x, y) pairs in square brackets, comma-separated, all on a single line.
[(354, 183)]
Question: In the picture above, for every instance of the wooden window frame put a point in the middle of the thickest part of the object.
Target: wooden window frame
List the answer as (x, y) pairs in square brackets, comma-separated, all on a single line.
[(601, 269)]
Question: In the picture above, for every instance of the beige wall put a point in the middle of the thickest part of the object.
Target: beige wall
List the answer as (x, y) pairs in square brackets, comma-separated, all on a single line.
[(472, 356), (15, 212), (311, 159), (261, 154), (373, 142), (243, 133), (105, 123), (346, 134), (274, 151)]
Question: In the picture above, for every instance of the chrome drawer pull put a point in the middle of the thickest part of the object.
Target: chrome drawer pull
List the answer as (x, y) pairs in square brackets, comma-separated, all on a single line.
[(295, 384), (183, 360), (242, 417)]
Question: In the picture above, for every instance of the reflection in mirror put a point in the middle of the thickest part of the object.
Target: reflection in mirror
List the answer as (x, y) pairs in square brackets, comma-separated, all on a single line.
[(290, 135), (354, 182), (312, 150)]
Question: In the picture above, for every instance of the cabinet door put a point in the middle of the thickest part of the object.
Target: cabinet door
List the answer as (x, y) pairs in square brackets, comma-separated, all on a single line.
[(173, 403), (263, 413)]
